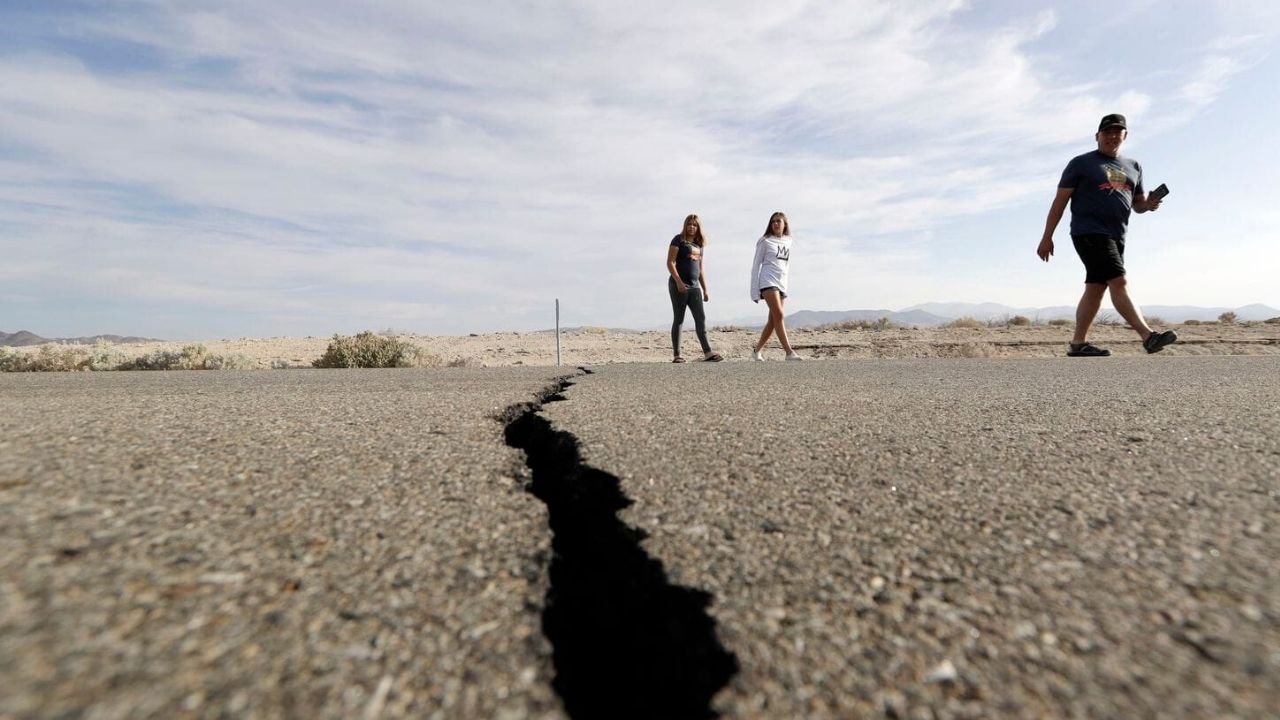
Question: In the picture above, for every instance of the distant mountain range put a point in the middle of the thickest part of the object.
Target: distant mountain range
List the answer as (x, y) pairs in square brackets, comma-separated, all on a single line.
[(927, 314), (23, 338)]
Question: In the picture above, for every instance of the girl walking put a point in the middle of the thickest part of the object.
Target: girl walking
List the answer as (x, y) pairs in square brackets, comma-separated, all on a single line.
[(769, 281), (688, 286)]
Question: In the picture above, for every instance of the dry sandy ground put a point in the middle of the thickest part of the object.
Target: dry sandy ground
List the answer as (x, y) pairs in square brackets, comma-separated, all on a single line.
[(597, 346)]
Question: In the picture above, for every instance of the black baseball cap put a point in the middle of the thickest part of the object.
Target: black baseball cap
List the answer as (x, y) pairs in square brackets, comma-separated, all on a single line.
[(1111, 121)]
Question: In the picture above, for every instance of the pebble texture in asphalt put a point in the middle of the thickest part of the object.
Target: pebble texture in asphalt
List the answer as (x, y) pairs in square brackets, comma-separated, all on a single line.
[(338, 544), (962, 538)]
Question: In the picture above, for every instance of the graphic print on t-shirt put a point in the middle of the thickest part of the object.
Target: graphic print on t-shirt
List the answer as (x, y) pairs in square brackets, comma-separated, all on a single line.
[(784, 253), (1117, 181), (688, 260)]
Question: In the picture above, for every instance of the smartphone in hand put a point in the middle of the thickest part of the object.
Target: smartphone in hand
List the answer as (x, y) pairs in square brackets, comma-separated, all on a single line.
[(1159, 193)]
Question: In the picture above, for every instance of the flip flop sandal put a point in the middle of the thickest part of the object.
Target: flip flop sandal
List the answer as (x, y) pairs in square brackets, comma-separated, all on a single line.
[(713, 357), (1087, 350), (677, 359)]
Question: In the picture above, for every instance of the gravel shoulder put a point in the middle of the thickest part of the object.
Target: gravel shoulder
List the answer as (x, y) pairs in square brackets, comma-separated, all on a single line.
[(601, 346)]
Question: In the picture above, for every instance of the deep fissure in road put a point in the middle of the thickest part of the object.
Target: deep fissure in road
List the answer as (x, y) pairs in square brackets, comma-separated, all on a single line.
[(626, 642)]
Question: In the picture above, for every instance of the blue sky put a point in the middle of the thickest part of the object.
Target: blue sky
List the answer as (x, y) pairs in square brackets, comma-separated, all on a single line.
[(202, 170)]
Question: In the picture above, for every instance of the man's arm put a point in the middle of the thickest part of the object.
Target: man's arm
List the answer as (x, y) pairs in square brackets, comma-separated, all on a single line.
[(1146, 203), (1056, 210)]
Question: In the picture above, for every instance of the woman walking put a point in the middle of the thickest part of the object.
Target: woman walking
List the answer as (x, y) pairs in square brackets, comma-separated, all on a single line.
[(769, 281), (688, 286)]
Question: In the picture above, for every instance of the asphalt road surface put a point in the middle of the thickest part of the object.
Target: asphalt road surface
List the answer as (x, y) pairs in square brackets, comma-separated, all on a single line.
[(963, 538), (337, 543), (903, 539)]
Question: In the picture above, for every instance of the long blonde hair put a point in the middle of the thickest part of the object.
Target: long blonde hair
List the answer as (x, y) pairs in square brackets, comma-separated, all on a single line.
[(768, 228), (700, 240)]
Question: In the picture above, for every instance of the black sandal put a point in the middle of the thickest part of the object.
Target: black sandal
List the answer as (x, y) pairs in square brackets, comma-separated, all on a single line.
[(1087, 350), (1157, 340), (677, 359)]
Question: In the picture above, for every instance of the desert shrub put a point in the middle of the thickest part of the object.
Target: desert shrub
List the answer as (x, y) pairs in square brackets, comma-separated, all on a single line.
[(1110, 318), (594, 330), (230, 362), (883, 323), (104, 357), (1227, 318), (47, 358), (190, 357), (158, 360), (367, 350), (1059, 322), (1272, 321), (1192, 321), (729, 328), (964, 322), (1009, 321), (1154, 320)]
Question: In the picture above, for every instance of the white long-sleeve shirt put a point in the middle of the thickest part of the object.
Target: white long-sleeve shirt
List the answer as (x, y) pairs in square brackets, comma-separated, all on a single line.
[(769, 269)]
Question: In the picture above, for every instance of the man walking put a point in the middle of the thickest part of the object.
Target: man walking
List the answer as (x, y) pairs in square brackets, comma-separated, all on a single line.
[(1102, 188)]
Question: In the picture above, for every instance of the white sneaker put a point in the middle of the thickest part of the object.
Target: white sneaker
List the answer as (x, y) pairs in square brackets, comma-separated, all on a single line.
[(794, 356), (755, 355)]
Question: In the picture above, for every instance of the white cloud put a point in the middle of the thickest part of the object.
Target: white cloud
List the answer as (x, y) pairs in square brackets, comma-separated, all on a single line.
[(437, 162)]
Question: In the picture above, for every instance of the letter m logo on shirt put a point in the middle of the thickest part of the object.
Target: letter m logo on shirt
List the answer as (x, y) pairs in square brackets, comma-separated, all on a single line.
[(784, 253)]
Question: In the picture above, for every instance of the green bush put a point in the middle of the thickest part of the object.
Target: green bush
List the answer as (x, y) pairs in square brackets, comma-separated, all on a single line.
[(367, 350)]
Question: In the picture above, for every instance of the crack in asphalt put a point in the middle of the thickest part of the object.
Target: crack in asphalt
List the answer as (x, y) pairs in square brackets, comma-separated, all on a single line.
[(627, 643)]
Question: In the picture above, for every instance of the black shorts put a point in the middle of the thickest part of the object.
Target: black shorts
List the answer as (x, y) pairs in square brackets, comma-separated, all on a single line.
[(1102, 255), (776, 289)]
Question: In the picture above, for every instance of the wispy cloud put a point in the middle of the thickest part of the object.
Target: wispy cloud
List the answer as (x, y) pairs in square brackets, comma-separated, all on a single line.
[(455, 165)]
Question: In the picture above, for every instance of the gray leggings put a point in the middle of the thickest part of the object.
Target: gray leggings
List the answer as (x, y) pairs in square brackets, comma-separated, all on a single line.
[(693, 300)]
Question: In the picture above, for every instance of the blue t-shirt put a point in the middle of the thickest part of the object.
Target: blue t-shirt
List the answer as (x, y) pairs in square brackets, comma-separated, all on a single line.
[(688, 261), (1104, 189)]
